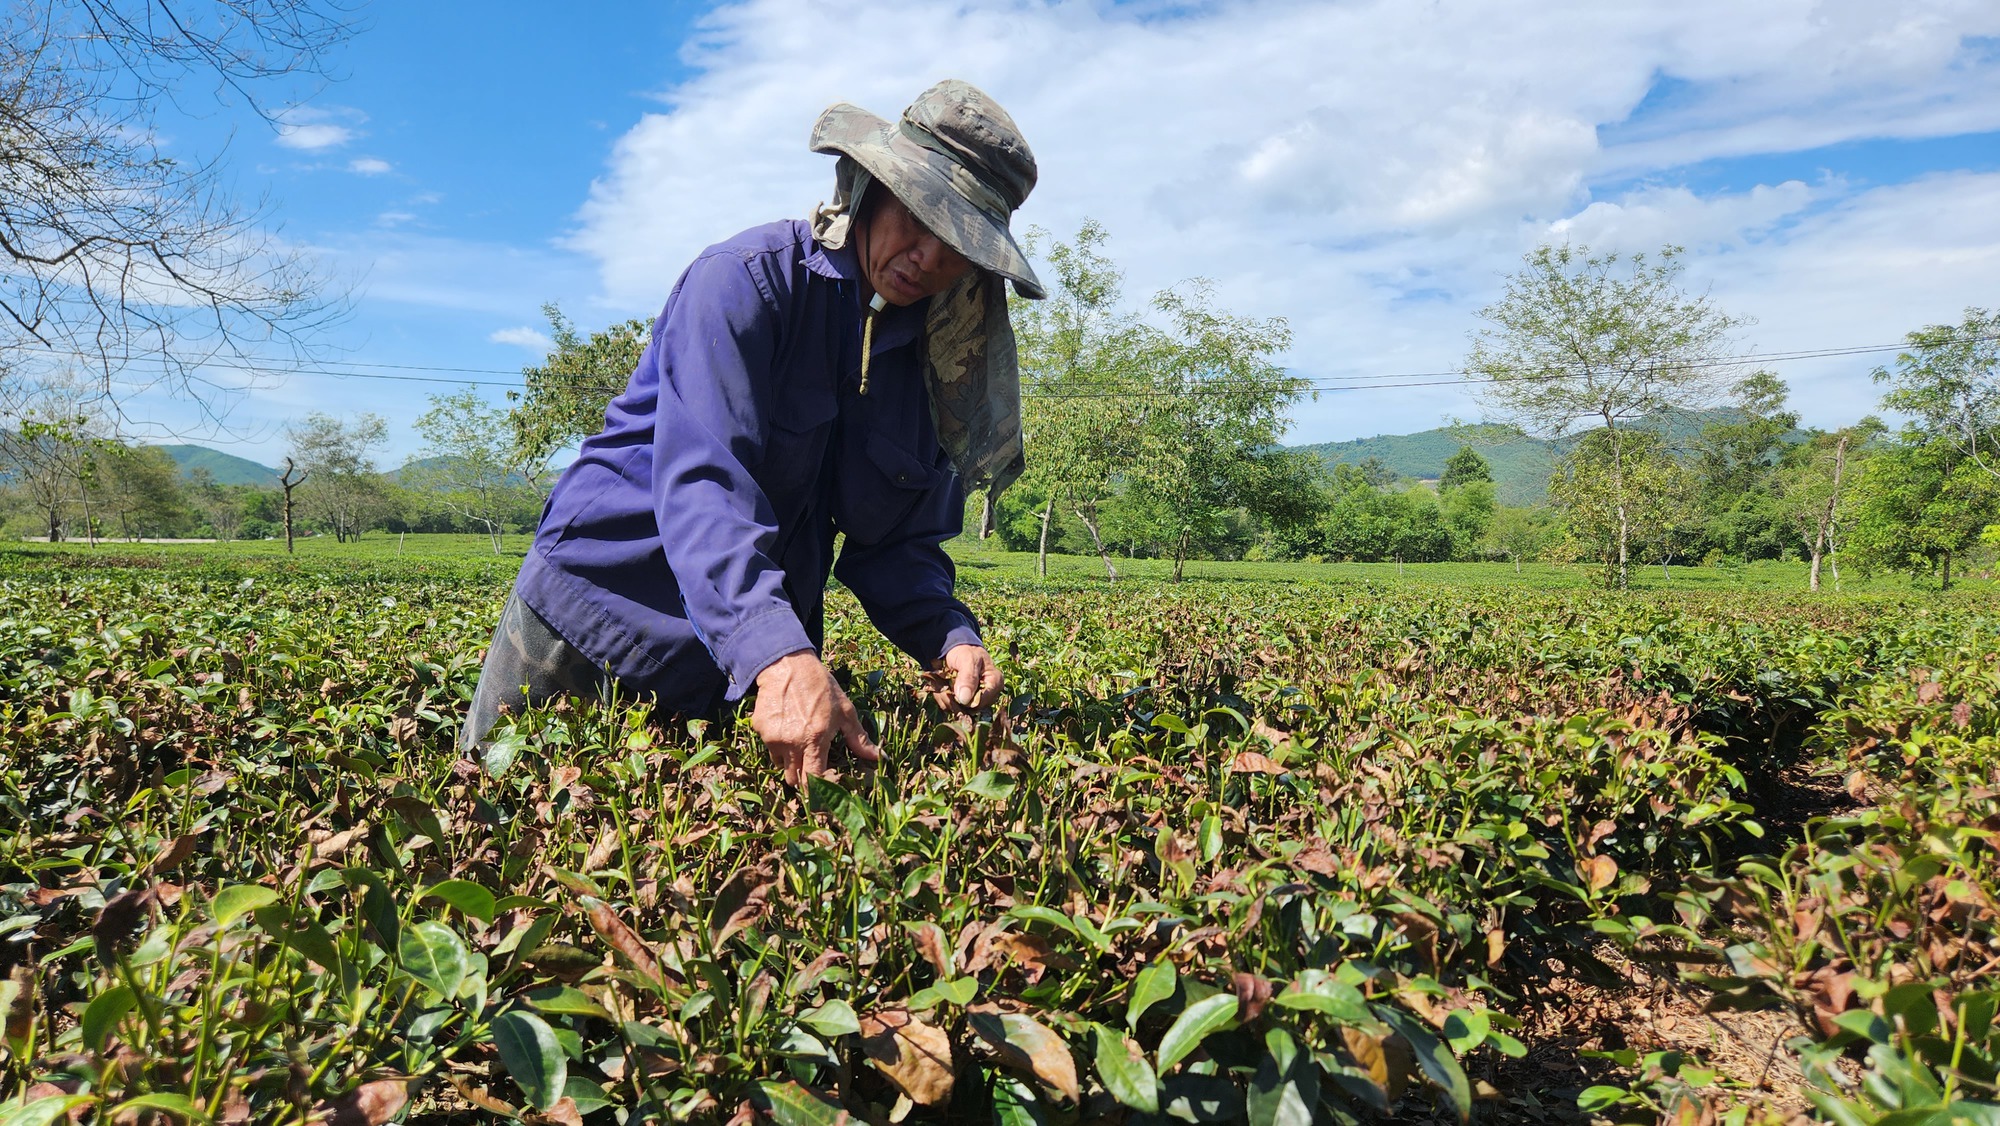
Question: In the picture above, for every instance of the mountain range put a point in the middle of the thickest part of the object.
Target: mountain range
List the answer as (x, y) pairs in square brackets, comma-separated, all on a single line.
[(1521, 464)]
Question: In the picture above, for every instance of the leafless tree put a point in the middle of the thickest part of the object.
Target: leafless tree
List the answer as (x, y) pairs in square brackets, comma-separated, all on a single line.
[(116, 254)]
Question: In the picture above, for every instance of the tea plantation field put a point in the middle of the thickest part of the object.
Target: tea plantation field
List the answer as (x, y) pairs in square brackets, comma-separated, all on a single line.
[(1266, 846)]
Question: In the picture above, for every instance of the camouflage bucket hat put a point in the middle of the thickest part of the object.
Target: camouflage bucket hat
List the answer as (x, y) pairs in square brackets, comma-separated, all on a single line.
[(956, 160)]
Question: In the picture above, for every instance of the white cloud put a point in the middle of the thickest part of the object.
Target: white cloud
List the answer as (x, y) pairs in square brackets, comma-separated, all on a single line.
[(1367, 170), (522, 336), (314, 137), (315, 128), (369, 166)]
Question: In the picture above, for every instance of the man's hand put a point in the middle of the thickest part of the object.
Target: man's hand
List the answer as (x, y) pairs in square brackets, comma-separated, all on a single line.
[(799, 711), (968, 680)]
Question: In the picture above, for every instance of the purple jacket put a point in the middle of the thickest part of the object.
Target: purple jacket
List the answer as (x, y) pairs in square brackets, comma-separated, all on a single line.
[(688, 546)]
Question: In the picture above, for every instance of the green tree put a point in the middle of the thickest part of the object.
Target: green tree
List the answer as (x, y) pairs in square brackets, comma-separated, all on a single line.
[(139, 487), (1083, 367), (567, 392), (219, 507), (1215, 401), (1738, 460), (1813, 487), (47, 454), (1601, 339), (1920, 505), (1467, 509), (1463, 467), (340, 488), (1521, 533), (473, 469), (1949, 380), (1611, 484)]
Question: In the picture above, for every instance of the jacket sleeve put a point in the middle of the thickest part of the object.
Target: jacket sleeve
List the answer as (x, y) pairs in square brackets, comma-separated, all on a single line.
[(715, 350), (905, 582)]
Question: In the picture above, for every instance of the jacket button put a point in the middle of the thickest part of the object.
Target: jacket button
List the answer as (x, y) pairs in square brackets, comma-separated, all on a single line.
[(902, 478)]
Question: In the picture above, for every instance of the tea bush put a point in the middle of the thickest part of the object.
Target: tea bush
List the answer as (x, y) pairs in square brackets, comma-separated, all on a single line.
[(1283, 853)]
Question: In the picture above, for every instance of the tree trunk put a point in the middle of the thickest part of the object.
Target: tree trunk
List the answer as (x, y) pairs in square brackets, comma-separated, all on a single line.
[(1181, 553), (1818, 550), (1618, 490), (55, 525), (1517, 561), (1042, 552), (1832, 514), (986, 515), (1945, 583), (1110, 572)]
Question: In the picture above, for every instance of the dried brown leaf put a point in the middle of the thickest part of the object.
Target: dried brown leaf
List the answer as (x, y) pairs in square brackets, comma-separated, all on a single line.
[(742, 899), (1599, 872), (934, 948), (371, 1104), (177, 851), (1253, 762), (915, 1056), (1024, 1043), (624, 940)]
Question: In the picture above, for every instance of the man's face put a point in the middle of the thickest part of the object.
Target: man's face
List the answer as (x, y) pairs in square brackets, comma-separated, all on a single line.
[(902, 260)]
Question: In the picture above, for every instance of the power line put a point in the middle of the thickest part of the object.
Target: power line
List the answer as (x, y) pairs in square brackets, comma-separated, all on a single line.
[(1325, 384)]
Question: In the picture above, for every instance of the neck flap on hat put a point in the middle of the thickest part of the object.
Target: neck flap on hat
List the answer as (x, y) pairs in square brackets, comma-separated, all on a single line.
[(970, 365)]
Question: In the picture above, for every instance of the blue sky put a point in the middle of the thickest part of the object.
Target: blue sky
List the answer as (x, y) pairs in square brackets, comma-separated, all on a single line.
[(1370, 171)]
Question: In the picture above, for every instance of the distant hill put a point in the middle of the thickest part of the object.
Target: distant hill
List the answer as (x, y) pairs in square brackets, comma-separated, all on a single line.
[(1521, 464), (227, 469), (421, 464)]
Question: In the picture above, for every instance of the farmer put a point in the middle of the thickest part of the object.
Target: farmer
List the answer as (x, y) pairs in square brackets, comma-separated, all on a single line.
[(850, 374)]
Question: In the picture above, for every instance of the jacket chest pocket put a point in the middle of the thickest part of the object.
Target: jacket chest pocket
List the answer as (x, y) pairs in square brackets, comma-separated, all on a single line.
[(795, 450), (877, 485)]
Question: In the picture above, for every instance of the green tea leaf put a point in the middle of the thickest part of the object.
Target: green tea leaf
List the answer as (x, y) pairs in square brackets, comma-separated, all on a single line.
[(1193, 1025), (103, 1013), (1433, 1057), (1466, 1029), (531, 1055), (1122, 1067), (566, 1000), (43, 1111), (1015, 1104), (1202, 1098), (1155, 983), (1285, 1088), (991, 785), (835, 1018), (180, 1106), (958, 991), (433, 953), (471, 899), (237, 900), (792, 1104), (504, 747)]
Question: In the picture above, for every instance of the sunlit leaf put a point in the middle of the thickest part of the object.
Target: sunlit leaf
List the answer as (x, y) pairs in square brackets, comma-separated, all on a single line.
[(1156, 983), (1193, 1025), (237, 900), (1122, 1067), (433, 953), (475, 901), (792, 1104)]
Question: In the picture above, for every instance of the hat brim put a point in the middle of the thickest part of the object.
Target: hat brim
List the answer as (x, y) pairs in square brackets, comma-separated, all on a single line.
[(923, 180)]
